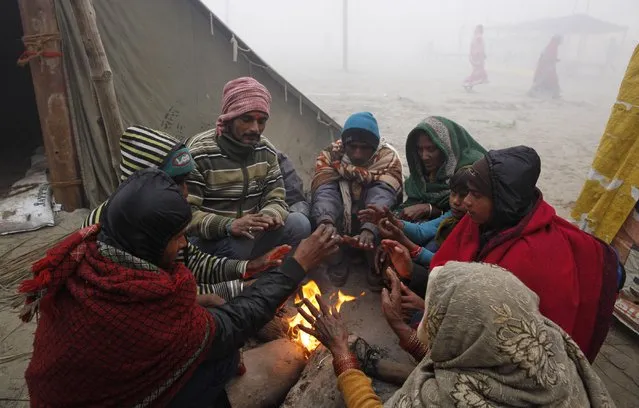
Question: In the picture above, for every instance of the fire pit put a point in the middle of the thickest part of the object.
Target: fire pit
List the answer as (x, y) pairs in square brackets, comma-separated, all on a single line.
[(309, 291)]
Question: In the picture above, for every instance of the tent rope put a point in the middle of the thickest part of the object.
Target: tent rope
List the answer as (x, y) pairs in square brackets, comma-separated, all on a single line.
[(236, 47), (319, 119), (35, 47)]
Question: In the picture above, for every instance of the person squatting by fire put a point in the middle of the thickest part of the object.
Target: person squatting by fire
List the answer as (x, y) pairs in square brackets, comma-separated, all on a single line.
[(203, 242)]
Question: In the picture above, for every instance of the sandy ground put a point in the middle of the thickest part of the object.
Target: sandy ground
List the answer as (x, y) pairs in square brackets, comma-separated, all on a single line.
[(564, 132), (16, 338)]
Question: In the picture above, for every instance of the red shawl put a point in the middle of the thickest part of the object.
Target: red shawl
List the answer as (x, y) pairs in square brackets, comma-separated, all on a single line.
[(111, 335), (572, 272)]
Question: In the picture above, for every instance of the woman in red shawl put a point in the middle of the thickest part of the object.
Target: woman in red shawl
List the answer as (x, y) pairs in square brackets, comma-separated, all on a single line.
[(509, 224), (546, 81), (477, 60), (120, 324)]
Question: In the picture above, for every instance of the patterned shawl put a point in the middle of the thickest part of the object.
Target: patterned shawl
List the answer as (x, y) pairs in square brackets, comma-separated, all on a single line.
[(490, 347), (459, 149), (334, 165)]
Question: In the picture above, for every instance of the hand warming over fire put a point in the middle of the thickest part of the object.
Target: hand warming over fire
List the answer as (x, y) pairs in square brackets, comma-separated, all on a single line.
[(322, 243), (372, 214), (392, 307), (400, 258), (364, 241), (271, 259), (327, 326)]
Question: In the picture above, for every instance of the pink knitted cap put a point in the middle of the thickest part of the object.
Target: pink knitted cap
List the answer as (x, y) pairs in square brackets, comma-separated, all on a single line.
[(240, 96)]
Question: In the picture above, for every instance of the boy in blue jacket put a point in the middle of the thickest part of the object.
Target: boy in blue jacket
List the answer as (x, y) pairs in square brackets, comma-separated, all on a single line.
[(424, 239)]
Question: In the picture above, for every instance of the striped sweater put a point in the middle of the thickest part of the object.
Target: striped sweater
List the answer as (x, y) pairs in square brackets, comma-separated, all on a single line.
[(213, 274), (223, 188), (142, 148)]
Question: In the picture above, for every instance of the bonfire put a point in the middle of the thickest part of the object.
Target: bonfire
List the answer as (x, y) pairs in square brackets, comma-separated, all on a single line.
[(309, 291)]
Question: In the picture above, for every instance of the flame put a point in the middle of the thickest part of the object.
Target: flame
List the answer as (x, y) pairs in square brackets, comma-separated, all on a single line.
[(341, 299), (309, 291)]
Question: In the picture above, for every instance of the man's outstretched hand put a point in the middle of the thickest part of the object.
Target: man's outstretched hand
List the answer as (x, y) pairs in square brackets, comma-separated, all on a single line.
[(364, 241), (322, 243), (271, 259)]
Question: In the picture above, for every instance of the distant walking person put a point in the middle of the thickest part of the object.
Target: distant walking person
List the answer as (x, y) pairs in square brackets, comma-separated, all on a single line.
[(546, 81), (477, 60)]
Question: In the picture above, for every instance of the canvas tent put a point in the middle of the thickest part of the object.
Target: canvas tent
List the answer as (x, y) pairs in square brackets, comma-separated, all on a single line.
[(169, 61)]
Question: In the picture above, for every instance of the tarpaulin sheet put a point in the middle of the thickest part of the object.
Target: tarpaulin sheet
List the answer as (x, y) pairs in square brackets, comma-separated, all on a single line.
[(170, 60)]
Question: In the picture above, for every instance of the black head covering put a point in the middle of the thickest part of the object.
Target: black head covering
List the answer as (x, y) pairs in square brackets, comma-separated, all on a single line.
[(143, 214), (479, 179), (513, 179)]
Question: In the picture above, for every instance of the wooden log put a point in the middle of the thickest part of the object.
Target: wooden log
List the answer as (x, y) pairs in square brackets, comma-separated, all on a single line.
[(273, 330), (317, 386), (41, 34), (101, 76), (393, 372), (271, 370)]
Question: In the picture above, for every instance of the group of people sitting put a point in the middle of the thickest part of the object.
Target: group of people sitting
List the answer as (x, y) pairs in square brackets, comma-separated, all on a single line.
[(149, 303)]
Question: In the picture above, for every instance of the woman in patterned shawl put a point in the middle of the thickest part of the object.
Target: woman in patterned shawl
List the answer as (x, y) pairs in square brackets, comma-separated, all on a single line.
[(482, 343), (435, 150)]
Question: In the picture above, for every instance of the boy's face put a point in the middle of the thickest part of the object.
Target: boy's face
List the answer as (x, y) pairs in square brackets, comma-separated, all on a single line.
[(479, 207), (173, 247), (456, 201)]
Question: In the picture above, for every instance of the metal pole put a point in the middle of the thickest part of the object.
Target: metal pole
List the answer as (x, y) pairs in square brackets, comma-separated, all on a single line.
[(345, 35)]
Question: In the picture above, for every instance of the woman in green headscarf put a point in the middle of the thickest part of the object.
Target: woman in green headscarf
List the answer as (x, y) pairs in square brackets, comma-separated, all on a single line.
[(435, 150)]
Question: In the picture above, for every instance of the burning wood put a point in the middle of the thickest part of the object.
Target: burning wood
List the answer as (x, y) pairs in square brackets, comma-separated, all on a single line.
[(309, 291)]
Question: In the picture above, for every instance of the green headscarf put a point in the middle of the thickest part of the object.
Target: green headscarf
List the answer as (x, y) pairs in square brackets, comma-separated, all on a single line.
[(459, 149)]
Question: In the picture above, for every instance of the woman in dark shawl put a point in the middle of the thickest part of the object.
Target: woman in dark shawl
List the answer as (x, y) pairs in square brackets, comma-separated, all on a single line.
[(119, 322)]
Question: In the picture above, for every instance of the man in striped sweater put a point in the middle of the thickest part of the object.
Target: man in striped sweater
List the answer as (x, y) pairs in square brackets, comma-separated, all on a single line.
[(143, 148), (236, 190)]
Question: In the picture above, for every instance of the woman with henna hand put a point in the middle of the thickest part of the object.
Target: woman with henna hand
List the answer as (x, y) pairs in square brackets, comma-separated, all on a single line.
[(504, 353)]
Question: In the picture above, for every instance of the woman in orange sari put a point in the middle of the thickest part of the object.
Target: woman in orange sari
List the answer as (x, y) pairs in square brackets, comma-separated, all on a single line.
[(477, 60)]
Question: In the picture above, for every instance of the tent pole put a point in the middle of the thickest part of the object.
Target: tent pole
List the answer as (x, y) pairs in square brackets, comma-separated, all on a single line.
[(101, 76), (345, 35), (41, 33)]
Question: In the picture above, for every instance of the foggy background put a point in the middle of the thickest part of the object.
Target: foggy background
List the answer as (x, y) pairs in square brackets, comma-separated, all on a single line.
[(413, 34), (407, 60)]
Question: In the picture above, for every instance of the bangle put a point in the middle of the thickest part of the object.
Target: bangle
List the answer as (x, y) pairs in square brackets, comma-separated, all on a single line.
[(430, 210), (414, 347), (415, 252), (345, 362)]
